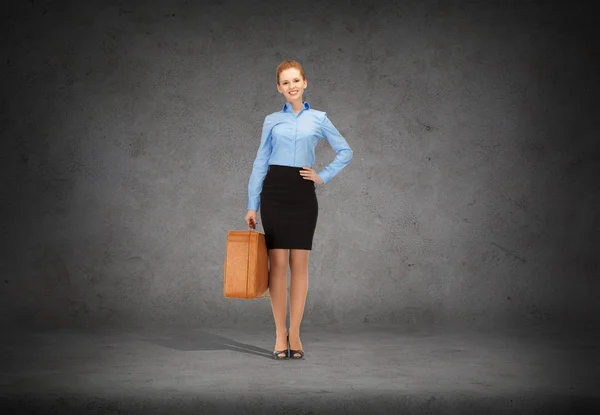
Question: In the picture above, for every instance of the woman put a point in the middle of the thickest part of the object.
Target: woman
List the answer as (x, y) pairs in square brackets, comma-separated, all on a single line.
[(283, 184)]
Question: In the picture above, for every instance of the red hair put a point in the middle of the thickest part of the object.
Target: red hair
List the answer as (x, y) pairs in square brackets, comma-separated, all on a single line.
[(287, 65)]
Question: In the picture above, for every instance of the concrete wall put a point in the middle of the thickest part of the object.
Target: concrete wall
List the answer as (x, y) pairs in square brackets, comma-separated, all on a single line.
[(129, 133)]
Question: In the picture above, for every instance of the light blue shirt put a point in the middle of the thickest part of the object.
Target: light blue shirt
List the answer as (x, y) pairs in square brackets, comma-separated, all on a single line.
[(289, 140)]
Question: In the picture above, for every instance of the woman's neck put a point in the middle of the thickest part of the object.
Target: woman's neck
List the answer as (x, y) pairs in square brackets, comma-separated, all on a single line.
[(297, 106)]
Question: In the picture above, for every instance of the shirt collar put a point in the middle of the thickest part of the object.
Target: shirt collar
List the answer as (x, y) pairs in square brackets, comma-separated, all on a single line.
[(287, 106)]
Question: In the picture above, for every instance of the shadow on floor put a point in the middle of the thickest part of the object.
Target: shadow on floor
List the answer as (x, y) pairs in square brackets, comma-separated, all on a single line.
[(195, 339)]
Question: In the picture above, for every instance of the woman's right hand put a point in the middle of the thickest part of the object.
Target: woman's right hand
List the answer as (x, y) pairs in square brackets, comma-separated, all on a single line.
[(251, 219)]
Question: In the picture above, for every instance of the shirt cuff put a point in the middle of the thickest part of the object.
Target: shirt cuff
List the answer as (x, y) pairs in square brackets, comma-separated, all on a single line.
[(253, 205), (324, 176)]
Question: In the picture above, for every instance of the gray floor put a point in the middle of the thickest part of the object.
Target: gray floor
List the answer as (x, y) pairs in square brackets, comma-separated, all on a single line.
[(348, 369)]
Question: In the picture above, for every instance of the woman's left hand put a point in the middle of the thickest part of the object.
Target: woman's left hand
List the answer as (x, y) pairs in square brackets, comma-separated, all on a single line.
[(309, 174)]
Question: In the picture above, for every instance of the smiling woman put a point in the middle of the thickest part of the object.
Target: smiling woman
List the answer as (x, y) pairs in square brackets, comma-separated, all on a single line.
[(282, 183), (291, 81)]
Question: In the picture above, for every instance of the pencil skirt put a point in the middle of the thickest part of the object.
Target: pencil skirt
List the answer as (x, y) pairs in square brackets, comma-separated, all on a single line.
[(288, 208)]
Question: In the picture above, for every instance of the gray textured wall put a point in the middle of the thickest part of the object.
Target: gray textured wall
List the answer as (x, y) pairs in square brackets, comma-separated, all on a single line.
[(129, 133)]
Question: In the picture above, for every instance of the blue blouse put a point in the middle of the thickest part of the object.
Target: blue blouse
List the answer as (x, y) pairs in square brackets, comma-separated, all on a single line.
[(289, 140)]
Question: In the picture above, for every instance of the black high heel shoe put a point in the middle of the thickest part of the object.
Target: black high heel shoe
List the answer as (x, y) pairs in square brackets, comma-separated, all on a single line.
[(286, 351), (277, 353), (293, 352)]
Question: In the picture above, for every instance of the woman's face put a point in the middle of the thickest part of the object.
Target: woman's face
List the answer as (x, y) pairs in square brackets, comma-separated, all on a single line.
[(290, 80)]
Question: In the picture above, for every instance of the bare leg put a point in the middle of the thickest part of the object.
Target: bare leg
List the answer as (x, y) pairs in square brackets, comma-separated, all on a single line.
[(278, 259), (298, 291)]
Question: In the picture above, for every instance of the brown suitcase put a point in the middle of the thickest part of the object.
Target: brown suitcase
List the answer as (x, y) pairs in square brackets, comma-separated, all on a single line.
[(246, 265)]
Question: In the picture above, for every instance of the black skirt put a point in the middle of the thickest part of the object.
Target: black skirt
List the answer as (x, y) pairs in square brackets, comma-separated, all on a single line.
[(288, 208)]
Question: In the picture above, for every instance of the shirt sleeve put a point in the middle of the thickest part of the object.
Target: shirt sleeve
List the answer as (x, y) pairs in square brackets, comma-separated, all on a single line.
[(339, 144), (260, 167)]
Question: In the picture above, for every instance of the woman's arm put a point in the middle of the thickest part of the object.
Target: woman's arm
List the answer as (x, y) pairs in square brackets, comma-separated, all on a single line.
[(261, 165), (339, 144)]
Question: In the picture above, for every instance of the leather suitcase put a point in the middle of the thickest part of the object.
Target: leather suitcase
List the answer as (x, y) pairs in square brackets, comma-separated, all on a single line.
[(246, 273)]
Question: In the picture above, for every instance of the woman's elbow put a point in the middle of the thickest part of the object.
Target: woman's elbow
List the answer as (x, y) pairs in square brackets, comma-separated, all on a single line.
[(347, 155)]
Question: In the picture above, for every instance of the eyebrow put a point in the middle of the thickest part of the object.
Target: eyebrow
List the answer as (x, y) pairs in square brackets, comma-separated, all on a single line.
[(288, 79)]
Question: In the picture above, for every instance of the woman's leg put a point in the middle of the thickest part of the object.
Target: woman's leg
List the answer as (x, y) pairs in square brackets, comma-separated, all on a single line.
[(298, 291), (278, 259)]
